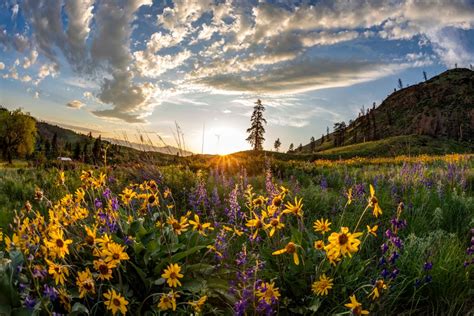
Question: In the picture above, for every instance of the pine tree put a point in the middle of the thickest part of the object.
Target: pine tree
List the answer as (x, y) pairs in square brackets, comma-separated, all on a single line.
[(257, 129), (312, 143), (77, 151), (400, 84), (277, 144), (292, 147), (96, 149), (54, 146), (425, 76)]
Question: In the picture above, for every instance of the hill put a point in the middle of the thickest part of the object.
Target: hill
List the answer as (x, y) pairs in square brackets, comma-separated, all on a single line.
[(441, 107)]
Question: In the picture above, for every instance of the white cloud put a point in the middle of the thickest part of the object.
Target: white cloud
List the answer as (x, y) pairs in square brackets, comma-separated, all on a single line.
[(2, 66), (75, 104)]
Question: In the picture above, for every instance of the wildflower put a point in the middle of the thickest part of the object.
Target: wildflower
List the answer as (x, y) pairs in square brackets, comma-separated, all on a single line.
[(172, 275), (296, 209), (178, 226), (150, 199), (200, 227), (322, 286), (342, 243), (283, 191), (115, 302), (99, 182), (214, 249), (257, 223), (168, 301), (322, 225), (277, 201), (61, 178), (259, 201), (38, 194), (373, 202), (378, 287), (319, 245), (199, 304), (127, 195), (104, 268), (12, 243), (57, 245), (268, 292), (290, 248), (85, 283), (349, 196), (80, 194), (356, 307), (58, 271), (114, 253), (372, 230), (274, 225)]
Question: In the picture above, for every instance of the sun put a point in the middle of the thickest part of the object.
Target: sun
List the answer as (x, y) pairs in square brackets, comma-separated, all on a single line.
[(223, 140)]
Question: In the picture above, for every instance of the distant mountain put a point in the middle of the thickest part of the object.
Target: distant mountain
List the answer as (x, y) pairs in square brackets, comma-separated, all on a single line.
[(170, 150), (441, 107), (64, 136)]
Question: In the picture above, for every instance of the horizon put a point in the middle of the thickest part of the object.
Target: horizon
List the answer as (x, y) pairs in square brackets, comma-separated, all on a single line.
[(205, 63)]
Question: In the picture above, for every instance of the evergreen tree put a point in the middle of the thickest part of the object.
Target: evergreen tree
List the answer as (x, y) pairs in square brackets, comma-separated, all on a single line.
[(77, 151), (400, 84), (425, 76), (257, 129), (322, 139), (277, 144), (300, 147), (54, 146), (292, 147), (312, 143), (96, 149)]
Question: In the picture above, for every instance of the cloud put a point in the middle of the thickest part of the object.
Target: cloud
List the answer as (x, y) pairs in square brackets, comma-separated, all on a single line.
[(31, 60), (2, 66), (302, 75), (75, 104)]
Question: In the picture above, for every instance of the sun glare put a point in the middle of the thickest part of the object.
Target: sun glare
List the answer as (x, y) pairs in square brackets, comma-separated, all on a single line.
[(223, 140)]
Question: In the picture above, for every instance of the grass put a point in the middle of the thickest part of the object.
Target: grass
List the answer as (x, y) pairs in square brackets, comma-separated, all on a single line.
[(438, 199)]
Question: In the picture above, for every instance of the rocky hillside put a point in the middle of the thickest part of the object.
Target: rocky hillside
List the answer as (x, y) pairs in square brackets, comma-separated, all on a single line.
[(441, 107)]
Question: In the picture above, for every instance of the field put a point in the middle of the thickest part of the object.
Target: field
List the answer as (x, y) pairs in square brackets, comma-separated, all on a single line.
[(243, 234)]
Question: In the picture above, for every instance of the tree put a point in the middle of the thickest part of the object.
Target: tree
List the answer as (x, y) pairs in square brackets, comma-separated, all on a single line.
[(322, 139), (425, 76), (400, 84), (17, 134), (300, 147), (54, 147), (339, 131), (77, 151), (256, 129), (292, 147), (312, 143), (96, 149), (277, 144)]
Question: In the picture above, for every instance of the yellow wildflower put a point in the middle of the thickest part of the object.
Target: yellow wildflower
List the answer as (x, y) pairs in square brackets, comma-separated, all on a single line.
[(57, 245), (343, 243), (178, 226), (268, 292), (172, 275), (57, 271), (290, 248), (85, 283), (200, 227), (322, 225), (199, 304), (373, 202), (322, 286), (372, 230), (168, 301), (115, 302), (356, 307), (295, 209)]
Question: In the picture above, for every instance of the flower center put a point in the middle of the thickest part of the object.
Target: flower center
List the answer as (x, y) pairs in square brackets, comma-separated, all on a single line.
[(176, 226), (277, 201), (173, 275), (343, 239), (258, 224), (59, 243), (274, 222), (89, 240), (116, 301), (104, 269), (116, 256), (151, 199), (290, 248)]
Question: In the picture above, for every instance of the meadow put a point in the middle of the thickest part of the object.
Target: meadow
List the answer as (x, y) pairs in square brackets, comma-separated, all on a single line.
[(244, 234)]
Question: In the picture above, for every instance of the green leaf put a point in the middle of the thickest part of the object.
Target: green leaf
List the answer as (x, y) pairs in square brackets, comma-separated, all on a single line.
[(79, 309)]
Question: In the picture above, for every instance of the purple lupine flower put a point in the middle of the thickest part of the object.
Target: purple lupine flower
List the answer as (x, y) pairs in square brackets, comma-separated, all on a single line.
[(107, 193), (30, 302), (97, 203), (428, 266), (50, 292)]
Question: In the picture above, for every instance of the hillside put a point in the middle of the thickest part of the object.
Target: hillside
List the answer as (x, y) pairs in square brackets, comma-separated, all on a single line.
[(442, 107), (66, 136)]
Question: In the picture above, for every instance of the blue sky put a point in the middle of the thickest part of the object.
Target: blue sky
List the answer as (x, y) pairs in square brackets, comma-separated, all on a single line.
[(129, 67)]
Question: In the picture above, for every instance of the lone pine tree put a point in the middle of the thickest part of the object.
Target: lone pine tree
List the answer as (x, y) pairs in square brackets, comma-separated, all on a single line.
[(257, 129)]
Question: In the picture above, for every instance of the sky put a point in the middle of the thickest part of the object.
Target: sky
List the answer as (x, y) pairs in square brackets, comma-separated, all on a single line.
[(123, 68)]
